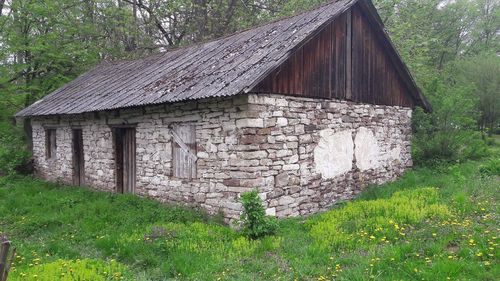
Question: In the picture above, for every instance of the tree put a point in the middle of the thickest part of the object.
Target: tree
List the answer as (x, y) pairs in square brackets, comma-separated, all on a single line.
[(482, 73)]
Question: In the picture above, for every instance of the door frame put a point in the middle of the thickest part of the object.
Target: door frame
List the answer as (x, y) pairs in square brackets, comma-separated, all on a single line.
[(125, 158), (78, 157)]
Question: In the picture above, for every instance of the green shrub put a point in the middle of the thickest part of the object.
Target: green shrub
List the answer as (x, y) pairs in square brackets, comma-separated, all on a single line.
[(361, 223), (14, 161), (448, 147), (255, 223), (73, 270), (14, 158), (491, 168)]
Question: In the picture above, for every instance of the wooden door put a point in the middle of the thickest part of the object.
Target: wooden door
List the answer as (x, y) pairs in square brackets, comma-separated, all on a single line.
[(125, 160), (78, 158), (184, 151)]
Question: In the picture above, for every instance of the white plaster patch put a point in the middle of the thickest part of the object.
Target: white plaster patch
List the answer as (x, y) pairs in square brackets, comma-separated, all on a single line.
[(334, 154), (367, 150)]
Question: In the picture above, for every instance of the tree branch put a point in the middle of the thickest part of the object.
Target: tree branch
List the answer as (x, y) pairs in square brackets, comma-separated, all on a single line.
[(153, 16)]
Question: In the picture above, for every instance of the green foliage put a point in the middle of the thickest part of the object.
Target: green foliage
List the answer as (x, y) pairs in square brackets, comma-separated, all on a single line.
[(490, 168), (448, 133), (255, 223), (14, 161), (481, 72), (47, 222), (376, 221), (14, 158), (67, 270)]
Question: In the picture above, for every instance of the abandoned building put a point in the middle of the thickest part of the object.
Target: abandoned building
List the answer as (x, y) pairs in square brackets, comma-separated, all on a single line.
[(309, 110)]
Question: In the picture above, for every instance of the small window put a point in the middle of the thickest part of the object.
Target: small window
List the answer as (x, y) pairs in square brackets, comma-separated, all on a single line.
[(184, 151), (50, 143)]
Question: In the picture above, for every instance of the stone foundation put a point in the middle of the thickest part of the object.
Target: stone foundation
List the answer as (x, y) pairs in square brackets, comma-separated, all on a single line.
[(302, 154)]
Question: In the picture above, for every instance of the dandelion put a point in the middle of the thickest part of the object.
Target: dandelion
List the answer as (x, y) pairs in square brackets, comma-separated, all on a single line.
[(480, 254), (338, 268)]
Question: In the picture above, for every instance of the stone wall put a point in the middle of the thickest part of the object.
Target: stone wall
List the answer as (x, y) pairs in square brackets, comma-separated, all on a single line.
[(314, 153), (302, 154)]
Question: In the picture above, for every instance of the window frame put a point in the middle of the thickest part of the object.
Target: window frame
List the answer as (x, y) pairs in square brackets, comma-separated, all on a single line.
[(50, 143)]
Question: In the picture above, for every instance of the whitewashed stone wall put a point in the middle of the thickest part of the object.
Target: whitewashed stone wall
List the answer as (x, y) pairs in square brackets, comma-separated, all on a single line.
[(302, 154), (318, 152)]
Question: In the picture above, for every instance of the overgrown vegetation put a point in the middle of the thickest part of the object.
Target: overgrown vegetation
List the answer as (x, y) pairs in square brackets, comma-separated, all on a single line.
[(377, 221), (254, 222), (433, 224), (69, 270)]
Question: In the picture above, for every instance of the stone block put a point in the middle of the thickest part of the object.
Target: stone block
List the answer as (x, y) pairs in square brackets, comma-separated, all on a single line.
[(250, 123)]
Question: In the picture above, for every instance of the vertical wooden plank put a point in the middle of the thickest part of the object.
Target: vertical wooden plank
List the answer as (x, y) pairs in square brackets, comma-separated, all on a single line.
[(341, 57), (82, 159), (118, 133), (183, 162), (349, 50), (126, 162), (78, 158), (129, 160), (134, 162)]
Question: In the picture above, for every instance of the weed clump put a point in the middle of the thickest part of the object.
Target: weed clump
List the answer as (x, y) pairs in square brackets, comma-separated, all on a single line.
[(490, 168), (376, 221), (63, 270), (255, 223)]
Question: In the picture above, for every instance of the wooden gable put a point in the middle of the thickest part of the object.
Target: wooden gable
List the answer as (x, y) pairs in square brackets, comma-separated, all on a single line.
[(348, 60)]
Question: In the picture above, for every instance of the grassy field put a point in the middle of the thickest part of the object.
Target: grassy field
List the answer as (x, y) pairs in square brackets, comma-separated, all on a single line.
[(433, 224)]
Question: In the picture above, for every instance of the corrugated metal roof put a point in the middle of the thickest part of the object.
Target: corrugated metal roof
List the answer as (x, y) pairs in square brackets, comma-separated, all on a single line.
[(223, 67)]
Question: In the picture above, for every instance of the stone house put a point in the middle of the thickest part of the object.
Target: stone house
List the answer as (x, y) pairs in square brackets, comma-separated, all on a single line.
[(309, 110)]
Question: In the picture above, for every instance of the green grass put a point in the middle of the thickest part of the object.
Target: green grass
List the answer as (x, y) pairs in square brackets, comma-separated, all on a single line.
[(433, 224)]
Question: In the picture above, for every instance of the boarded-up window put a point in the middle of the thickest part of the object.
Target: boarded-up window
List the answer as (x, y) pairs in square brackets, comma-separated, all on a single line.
[(50, 143), (184, 151)]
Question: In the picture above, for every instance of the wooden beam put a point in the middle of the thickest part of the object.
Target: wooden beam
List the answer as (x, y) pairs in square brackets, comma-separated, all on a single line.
[(348, 82)]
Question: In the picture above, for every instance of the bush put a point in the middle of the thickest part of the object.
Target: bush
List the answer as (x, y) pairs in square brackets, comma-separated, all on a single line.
[(255, 223), (15, 161), (449, 133), (448, 147), (491, 168), (14, 158)]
